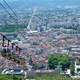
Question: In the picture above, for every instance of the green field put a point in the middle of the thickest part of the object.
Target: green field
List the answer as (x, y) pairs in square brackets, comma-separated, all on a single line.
[(9, 77), (11, 28), (52, 77), (38, 77)]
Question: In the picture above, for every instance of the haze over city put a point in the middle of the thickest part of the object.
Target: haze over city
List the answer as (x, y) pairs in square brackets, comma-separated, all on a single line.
[(39, 39), (44, 3)]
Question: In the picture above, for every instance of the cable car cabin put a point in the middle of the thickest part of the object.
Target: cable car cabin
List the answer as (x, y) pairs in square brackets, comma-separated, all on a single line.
[(5, 49), (9, 51)]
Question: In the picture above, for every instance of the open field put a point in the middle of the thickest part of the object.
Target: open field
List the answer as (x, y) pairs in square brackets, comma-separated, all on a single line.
[(9, 77), (38, 77), (53, 77)]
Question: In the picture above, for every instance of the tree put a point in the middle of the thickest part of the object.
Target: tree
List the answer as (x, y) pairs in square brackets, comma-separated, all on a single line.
[(59, 60), (52, 61)]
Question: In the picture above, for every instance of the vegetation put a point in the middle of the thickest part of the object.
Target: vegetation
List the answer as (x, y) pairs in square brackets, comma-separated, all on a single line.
[(9, 77), (11, 28), (37, 77), (59, 60), (51, 77)]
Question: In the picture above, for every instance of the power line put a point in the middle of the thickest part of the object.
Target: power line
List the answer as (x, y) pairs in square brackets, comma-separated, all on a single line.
[(8, 12), (10, 8), (5, 9)]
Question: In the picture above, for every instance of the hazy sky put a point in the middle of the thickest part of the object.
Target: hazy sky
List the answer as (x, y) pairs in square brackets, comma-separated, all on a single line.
[(46, 3), (49, 1)]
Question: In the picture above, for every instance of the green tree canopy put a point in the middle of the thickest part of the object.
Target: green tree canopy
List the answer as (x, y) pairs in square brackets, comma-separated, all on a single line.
[(59, 60)]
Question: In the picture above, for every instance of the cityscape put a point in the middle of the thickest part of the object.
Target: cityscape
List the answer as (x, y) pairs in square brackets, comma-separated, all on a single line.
[(39, 43)]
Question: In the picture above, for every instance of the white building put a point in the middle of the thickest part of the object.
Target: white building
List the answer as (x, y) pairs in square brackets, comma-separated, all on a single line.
[(77, 68)]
